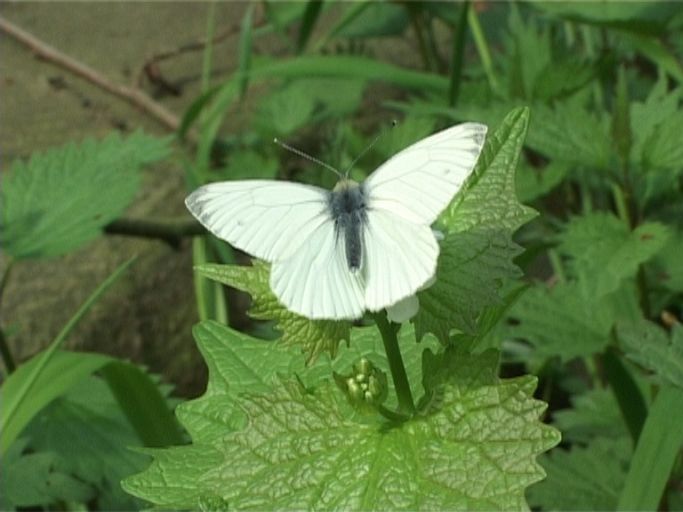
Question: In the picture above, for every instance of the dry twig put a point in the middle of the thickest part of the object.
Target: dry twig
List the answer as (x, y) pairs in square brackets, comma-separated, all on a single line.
[(50, 54)]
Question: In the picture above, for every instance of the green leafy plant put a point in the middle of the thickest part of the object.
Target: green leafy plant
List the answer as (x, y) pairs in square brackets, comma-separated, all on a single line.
[(544, 366), (306, 423)]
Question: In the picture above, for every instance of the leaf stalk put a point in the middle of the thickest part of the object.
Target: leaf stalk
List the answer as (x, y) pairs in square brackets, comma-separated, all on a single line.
[(388, 331)]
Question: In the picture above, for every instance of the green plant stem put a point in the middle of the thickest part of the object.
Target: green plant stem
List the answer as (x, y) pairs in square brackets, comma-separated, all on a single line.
[(5, 277), (398, 371), (208, 49), (624, 213), (458, 53), (556, 264), (433, 48), (57, 342), (620, 204), (416, 19), (392, 415), (170, 231), (482, 48), (631, 402), (643, 297), (7, 357)]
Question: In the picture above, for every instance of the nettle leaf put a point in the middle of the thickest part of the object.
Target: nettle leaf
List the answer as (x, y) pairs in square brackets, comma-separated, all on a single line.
[(477, 251), (572, 133), (60, 199), (605, 252), (562, 77), (301, 449), (668, 268), (648, 345), (313, 336), (39, 479), (593, 414), (561, 321), (663, 150), (654, 146), (523, 40), (583, 478), (533, 182), (87, 435)]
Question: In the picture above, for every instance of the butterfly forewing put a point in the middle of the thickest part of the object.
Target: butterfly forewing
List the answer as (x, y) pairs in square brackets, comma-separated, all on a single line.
[(268, 219), (420, 181)]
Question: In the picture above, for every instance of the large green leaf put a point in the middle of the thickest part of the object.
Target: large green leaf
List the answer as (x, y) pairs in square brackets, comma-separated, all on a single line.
[(313, 336), (60, 199), (239, 363), (302, 448), (476, 254)]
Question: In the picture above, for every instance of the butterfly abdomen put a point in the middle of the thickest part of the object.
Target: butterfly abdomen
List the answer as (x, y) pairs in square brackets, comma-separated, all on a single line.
[(347, 206)]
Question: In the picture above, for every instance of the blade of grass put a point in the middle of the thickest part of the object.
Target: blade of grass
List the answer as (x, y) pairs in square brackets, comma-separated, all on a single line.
[(349, 15), (57, 376), (195, 109), (143, 404), (458, 54), (244, 49), (7, 356), (631, 402), (208, 49), (360, 68), (482, 48), (204, 297), (656, 452), (621, 123), (653, 49), (311, 15), (13, 404)]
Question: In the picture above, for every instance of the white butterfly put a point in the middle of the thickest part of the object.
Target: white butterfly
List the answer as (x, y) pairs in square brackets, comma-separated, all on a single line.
[(358, 247)]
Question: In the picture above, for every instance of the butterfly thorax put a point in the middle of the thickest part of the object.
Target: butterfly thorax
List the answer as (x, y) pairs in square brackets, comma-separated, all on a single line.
[(347, 205)]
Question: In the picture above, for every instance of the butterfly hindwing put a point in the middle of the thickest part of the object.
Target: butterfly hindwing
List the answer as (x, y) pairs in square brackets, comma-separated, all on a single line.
[(400, 257), (316, 282)]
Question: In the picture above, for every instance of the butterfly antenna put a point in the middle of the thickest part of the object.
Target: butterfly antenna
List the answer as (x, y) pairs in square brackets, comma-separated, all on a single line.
[(306, 156), (381, 134)]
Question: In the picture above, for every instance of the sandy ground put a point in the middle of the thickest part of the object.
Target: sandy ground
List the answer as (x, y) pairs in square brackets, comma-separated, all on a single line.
[(43, 106)]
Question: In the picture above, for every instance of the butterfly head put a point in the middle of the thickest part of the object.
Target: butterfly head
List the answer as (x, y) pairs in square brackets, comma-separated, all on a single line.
[(345, 184)]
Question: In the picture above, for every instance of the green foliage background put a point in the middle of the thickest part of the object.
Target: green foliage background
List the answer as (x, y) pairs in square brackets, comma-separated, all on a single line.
[(555, 316)]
